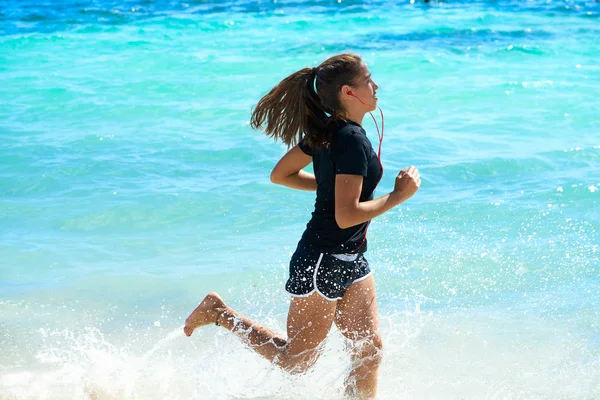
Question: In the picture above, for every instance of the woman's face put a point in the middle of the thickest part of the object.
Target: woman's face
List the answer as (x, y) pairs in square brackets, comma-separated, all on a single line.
[(365, 88)]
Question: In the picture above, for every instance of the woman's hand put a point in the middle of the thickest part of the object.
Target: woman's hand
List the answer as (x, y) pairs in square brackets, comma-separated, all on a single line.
[(407, 183)]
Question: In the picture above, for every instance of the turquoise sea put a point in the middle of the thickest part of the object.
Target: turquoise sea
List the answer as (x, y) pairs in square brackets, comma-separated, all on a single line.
[(131, 184)]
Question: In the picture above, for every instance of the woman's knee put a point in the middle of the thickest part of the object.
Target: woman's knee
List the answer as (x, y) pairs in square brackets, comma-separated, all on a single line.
[(376, 345), (378, 342), (299, 363), (370, 348)]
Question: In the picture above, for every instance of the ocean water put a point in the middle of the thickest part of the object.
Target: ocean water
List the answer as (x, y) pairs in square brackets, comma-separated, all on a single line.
[(131, 184)]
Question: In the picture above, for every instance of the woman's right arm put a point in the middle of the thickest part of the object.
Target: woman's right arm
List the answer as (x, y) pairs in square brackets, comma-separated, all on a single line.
[(349, 211), (288, 171)]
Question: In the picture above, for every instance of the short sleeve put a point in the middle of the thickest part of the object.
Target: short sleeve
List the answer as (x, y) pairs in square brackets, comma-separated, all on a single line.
[(350, 156), (304, 147)]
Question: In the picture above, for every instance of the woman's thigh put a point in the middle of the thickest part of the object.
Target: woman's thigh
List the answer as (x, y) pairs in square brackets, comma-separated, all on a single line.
[(357, 316)]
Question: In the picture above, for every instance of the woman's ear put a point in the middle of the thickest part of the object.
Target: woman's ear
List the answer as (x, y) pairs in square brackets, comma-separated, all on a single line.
[(347, 90)]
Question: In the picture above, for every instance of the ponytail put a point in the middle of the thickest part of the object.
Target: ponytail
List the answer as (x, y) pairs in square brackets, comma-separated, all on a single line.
[(293, 110)]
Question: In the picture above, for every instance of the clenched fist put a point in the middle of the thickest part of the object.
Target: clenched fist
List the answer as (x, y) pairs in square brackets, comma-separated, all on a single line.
[(407, 183)]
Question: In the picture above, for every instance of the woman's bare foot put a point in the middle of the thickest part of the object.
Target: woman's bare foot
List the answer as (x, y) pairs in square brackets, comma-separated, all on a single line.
[(205, 313)]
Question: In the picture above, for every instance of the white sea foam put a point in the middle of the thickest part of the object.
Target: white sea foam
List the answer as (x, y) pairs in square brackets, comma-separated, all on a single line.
[(475, 355)]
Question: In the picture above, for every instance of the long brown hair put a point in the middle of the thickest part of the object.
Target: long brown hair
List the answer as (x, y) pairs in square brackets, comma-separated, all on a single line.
[(293, 110)]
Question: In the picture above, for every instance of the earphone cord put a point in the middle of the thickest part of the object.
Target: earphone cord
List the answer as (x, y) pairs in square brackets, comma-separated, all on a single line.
[(379, 135)]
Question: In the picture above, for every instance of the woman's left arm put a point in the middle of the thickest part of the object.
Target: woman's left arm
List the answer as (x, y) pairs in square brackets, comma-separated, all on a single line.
[(288, 171)]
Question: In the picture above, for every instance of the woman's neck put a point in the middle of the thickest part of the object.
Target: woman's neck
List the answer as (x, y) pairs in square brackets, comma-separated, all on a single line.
[(356, 117)]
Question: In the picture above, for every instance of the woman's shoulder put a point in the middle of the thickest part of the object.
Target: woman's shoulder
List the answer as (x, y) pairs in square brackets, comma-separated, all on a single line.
[(348, 128), (348, 133)]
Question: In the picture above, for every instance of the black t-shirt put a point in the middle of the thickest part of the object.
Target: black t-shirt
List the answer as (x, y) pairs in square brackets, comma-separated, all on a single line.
[(350, 153)]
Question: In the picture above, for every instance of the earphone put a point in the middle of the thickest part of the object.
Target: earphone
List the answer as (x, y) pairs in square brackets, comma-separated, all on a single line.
[(356, 97)]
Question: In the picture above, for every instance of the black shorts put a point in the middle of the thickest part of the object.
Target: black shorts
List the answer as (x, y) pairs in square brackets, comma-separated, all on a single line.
[(328, 274)]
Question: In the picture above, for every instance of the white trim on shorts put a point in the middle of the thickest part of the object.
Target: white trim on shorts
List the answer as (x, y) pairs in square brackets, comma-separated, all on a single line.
[(315, 283), (363, 278), (312, 291)]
